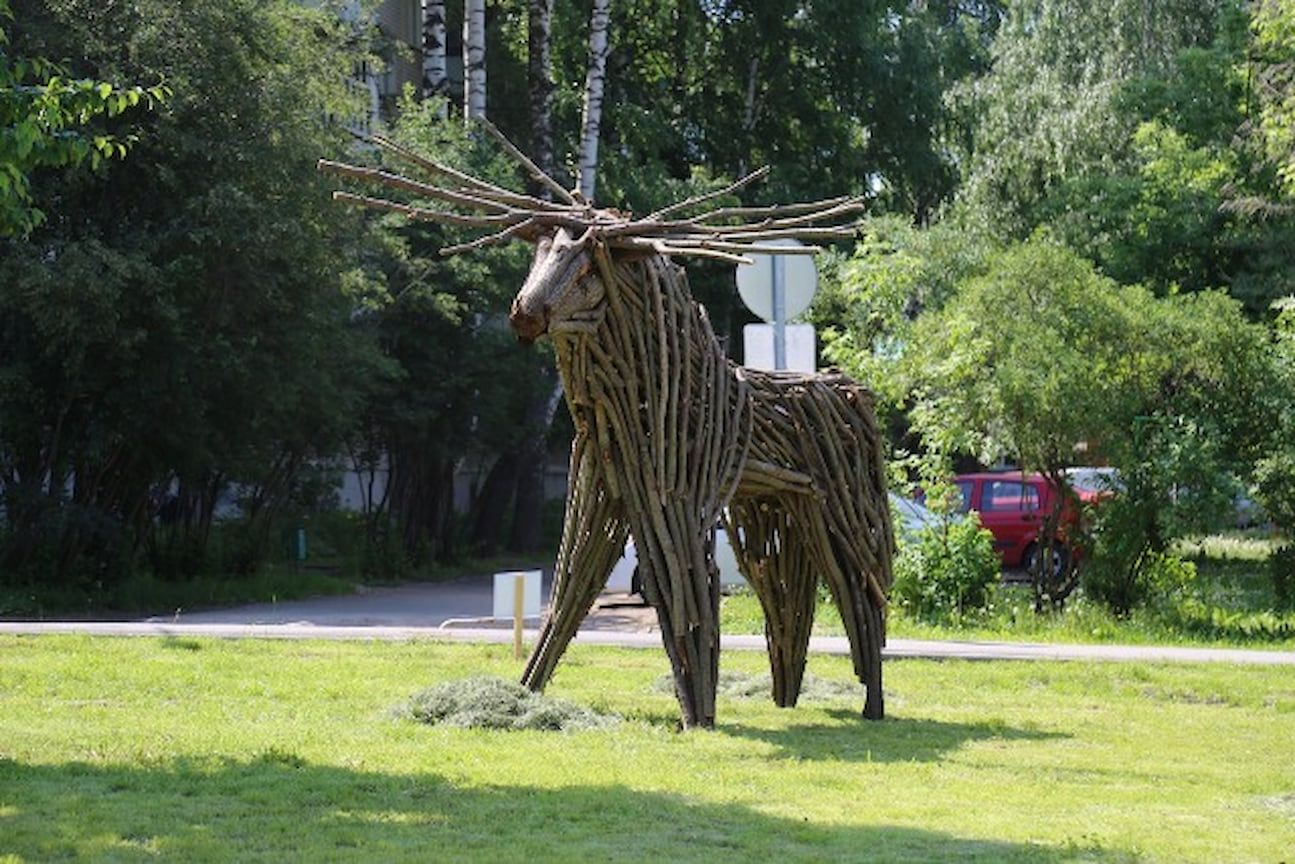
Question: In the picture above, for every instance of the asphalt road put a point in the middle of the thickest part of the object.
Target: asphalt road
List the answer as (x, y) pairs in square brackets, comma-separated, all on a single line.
[(462, 610)]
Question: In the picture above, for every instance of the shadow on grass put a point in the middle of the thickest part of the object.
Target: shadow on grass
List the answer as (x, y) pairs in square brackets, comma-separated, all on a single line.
[(278, 807), (895, 739)]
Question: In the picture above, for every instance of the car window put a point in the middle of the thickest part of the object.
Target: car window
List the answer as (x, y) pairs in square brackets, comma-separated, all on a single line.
[(1004, 495), (964, 495)]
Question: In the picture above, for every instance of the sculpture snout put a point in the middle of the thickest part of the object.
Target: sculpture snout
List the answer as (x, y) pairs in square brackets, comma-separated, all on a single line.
[(528, 324)]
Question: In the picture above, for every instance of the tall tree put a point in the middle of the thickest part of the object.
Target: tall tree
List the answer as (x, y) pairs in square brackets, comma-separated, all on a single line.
[(1049, 108), (591, 114), (539, 80), (177, 329), (1274, 24), (1038, 351), (474, 59), (435, 64), (532, 453)]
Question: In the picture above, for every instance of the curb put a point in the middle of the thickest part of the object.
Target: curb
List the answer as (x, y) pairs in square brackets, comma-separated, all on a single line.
[(832, 645)]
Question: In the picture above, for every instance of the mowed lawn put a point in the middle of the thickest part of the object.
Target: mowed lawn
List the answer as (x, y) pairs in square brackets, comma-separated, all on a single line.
[(146, 749)]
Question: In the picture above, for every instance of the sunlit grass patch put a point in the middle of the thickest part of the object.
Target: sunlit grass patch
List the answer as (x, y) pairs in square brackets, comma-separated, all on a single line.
[(124, 749)]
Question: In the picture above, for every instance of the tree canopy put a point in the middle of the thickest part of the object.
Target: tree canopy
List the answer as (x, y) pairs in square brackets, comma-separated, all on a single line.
[(46, 120), (176, 329), (1068, 202)]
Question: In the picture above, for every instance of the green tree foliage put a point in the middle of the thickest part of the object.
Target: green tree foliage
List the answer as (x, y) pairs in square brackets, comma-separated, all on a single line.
[(1034, 351), (1048, 109), (1122, 128), (1276, 466), (837, 96), (1274, 26), (177, 330), (46, 121), (869, 301)]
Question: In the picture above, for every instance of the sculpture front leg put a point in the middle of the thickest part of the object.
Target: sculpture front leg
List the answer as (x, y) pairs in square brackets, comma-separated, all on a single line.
[(593, 539)]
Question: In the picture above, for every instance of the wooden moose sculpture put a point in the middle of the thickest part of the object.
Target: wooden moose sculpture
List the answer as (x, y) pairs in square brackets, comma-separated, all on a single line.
[(672, 438)]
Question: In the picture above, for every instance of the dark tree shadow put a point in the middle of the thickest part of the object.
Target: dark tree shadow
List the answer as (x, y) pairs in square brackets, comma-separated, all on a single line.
[(895, 739), (278, 807)]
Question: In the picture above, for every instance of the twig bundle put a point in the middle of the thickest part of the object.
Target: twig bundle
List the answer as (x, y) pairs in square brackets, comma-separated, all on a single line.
[(725, 233)]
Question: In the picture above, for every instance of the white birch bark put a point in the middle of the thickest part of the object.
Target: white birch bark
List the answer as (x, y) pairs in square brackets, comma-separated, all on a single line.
[(539, 74), (474, 50), (435, 71), (591, 116)]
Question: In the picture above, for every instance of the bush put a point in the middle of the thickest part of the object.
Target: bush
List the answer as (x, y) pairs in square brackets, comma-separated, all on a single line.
[(1281, 567), (484, 702), (946, 570)]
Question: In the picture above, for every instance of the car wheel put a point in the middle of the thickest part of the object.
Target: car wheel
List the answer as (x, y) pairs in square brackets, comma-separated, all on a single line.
[(1060, 556)]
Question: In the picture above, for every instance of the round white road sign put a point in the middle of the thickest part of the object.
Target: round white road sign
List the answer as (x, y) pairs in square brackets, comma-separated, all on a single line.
[(799, 282)]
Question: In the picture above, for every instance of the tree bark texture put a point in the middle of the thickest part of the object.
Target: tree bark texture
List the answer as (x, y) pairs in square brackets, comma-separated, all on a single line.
[(592, 112), (435, 65), (474, 57), (539, 76)]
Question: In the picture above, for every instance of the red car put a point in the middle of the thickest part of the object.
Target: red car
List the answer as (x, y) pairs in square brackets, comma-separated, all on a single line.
[(1013, 506)]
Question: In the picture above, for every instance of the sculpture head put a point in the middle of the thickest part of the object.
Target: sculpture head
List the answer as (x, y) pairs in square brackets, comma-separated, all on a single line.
[(561, 285)]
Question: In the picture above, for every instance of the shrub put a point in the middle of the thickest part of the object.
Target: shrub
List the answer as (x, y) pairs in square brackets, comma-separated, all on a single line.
[(946, 570), (1281, 567), (1197, 618)]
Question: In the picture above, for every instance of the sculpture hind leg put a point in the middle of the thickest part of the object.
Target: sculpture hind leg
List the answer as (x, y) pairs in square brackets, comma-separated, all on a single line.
[(778, 568), (851, 533), (862, 615), (593, 539)]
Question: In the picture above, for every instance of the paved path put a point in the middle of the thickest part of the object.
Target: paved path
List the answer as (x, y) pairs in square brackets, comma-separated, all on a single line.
[(594, 635), (459, 610)]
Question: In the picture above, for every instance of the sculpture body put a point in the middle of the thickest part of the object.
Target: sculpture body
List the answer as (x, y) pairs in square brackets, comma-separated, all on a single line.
[(672, 438), (669, 435)]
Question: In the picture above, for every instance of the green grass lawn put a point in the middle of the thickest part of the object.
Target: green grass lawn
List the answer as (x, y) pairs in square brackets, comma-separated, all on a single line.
[(194, 750)]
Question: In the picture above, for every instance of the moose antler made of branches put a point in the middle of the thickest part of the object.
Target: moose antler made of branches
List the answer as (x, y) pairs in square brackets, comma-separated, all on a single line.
[(725, 233)]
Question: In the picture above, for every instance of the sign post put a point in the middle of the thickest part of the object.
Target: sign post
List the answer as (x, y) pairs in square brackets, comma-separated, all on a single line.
[(779, 294), (778, 288)]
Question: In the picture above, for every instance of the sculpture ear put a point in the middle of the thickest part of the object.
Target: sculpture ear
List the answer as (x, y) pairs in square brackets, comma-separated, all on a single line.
[(543, 247)]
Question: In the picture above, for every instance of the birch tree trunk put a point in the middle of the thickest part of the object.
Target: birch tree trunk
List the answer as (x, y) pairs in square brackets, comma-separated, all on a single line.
[(539, 73), (592, 115), (435, 72), (474, 51)]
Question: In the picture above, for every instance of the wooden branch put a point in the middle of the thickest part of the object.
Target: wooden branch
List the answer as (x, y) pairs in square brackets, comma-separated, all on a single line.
[(503, 236), (775, 210), (510, 215), (698, 252), (843, 233), (758, 174), (443, 216), (531, 168), (486, 190), (395, 181)]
